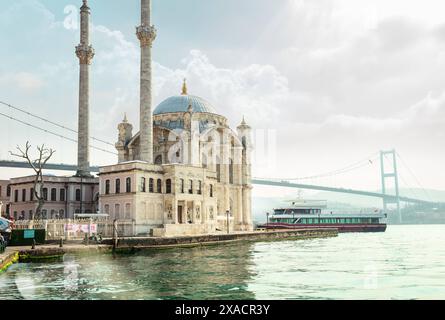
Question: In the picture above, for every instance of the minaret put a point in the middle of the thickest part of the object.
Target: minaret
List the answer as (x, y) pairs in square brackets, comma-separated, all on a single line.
[(85, 53), (146, 34)]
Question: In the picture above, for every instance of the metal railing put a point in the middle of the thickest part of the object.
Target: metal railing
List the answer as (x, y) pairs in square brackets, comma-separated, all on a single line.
[(57, 229)]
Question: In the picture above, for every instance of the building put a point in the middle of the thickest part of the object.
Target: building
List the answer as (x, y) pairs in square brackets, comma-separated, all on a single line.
[(5, 193), (186, 172), (64, 197)]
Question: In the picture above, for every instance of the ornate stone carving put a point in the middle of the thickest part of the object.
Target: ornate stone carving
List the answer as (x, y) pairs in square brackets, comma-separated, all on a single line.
[(85, 53), (146, 35)]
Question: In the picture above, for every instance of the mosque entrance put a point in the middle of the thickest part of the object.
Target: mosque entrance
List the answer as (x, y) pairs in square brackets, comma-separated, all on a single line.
[(180, 214)]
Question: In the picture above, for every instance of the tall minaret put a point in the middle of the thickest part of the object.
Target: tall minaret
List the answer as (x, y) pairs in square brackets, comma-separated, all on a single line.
[(85, 53), (146, 34)]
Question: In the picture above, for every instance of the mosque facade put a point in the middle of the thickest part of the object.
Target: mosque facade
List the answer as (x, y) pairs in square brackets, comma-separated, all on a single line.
[(186, 171)]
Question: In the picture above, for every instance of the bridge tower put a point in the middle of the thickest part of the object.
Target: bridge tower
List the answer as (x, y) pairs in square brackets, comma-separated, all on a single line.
[(393, 177)]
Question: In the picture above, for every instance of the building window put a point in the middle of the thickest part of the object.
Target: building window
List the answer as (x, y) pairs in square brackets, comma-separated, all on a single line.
[(31, 196), (151, 187), (143, 185), (128, 185), (107, 187), (45, 194), (107, 209), (182, 185), (191, 186), (117, 209), (24, 195), (118, 186), (8, 191), (127, 211), (16, 195), (53, 194), (158, 160), (62, 194), (199, 187), (31, 215), (168, 186), (44, 214), (53, 214), (218, 172), (77, 194), (211, 191), (22, 215), (159, 186)]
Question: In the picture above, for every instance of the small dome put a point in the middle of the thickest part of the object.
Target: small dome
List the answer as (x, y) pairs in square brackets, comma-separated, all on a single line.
[(181, 104)]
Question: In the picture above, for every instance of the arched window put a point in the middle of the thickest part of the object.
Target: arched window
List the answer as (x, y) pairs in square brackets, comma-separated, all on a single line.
[(53, 194), (118, 186), (31, 198), (107, 186), (143, 185), (158, 159), (24, 195), (61, 214), (8, 191), (45, 194), (159, 186), (16, 195), (199, 187), (168, 186), (211, 191), (128, 185), (151, 187), (182, 185), (107, 208), (77, 194), (231, 171)]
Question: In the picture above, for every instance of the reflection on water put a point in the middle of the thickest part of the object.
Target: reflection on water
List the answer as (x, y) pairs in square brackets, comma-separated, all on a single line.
[(217, 272), (406, 262)]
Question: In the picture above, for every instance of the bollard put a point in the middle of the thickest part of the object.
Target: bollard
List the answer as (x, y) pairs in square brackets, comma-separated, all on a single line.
[(61, 242)]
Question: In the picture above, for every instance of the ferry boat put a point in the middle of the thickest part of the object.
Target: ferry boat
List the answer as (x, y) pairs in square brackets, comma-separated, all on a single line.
[(315, 214)]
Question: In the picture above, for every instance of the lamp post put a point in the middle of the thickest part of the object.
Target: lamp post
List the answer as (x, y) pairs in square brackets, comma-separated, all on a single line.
[(228, 223), (267, 221)]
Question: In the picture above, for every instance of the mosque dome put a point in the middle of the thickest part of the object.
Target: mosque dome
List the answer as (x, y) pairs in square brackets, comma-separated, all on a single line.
[(182, 103)]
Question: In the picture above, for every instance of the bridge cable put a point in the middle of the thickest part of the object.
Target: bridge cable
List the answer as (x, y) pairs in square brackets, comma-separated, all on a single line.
[(51, 122), (354, 166), (52, 133), (427, 194)]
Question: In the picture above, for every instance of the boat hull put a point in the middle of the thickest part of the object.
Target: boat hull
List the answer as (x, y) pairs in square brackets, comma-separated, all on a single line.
[(343, 228)]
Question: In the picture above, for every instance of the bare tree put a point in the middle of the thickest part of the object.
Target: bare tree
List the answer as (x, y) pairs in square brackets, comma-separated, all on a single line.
[(37, 165)]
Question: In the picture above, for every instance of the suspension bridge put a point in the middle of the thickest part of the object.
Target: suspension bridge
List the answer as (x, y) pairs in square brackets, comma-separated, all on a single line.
[(388, 175)]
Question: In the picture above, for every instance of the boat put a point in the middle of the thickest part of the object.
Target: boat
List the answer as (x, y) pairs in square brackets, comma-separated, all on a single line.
[(302, 214)]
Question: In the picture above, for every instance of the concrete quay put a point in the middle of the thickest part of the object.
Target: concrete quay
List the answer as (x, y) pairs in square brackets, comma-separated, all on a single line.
[(129, 245)]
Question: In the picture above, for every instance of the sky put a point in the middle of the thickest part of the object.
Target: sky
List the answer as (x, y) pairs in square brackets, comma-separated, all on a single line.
[(323, 83)]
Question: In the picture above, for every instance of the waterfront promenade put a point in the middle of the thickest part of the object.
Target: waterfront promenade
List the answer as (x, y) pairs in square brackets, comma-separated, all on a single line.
[(133, 244)]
